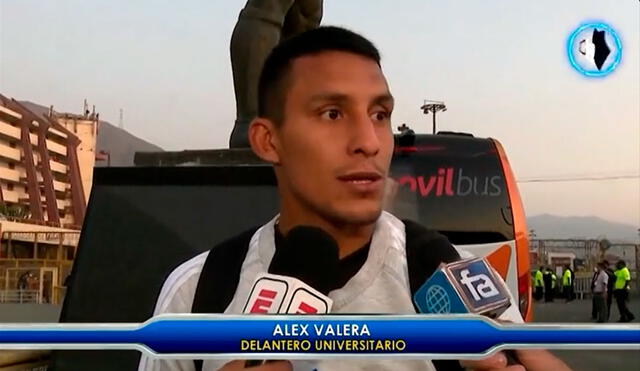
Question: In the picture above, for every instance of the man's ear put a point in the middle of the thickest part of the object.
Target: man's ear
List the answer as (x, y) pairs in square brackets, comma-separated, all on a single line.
[(264, 140)]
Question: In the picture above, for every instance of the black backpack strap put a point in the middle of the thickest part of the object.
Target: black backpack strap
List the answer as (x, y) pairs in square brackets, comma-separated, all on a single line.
[(220, 276), (421, 266)]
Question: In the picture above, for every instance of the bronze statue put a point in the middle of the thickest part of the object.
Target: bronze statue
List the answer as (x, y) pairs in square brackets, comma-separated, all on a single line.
[(260, 27)]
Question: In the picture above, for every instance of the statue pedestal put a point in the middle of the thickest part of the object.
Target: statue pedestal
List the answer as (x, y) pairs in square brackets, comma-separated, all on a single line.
[(204, 157)]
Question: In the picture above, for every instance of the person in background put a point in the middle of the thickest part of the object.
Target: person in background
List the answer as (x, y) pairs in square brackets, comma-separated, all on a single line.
[(600, 293), (567, 283), (573, 284), (610, 286), (554, 284), (621, 291), (594, 309), (538, 284), (23, 281), (549, 285)]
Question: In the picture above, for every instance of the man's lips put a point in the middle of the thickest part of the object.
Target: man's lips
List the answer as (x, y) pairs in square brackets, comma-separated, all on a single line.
[(361, 176), (362, 181)]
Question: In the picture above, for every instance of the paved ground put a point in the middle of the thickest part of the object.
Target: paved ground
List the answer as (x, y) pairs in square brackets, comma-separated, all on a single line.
[(29, 313), (579, 311)]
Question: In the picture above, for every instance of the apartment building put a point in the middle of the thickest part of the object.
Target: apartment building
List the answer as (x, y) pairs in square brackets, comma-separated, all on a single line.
[(46, 162)]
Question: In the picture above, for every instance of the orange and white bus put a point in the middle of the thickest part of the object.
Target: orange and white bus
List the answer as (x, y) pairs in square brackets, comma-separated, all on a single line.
[(464, 188)]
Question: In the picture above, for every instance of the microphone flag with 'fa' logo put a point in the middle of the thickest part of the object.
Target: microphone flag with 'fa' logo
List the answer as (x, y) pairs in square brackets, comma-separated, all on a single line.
[(465, 286)]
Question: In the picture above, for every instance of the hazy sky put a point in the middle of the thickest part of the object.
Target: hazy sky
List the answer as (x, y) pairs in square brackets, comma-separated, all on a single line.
[(500, 66)]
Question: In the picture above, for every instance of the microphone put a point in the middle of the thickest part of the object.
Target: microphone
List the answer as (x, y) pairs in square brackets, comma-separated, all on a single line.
[(465, 286), (301, 275), (276, 294), (309, 254)]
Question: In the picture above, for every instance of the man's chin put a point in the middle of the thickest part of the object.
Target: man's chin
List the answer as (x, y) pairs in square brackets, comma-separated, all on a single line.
[(358, 217)]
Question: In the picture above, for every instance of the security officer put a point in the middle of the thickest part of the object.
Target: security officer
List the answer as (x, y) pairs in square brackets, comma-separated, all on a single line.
[(567, 283), (621, 291), (538, 284), (549, 285)]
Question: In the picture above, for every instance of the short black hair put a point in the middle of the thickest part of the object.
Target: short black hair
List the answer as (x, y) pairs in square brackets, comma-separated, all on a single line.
[(272, 86)]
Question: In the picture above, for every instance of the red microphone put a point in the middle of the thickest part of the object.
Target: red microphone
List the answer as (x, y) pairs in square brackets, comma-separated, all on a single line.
[(302, 273)]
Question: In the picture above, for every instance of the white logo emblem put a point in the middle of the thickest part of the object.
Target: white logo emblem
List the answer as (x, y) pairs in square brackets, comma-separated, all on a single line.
[(485, 289)]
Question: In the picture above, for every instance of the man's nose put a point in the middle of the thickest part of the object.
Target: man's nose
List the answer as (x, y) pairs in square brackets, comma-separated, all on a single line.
[(363, 136)]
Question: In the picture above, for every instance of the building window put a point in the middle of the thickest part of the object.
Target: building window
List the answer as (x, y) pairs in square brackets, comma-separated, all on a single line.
[(12, 165), (12, 144), (10, 186)]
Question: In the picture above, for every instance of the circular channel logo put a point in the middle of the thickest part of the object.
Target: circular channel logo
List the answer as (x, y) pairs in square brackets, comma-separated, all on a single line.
[(594, 49), (438, 300)]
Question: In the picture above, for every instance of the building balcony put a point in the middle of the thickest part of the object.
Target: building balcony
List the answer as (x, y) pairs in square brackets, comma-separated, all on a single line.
[(56, 147), (9, 131), (57, 133), (59, 186), (9, 115), (10, 175), (64, 205), (51, 145), (10, 196), (10, 153), (58, 167)]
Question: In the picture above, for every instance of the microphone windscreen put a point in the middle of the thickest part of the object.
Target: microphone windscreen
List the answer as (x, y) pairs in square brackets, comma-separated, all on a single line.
[(310, 255)]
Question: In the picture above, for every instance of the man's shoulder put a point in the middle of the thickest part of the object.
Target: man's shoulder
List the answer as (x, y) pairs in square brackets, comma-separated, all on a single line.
[(180, 286)]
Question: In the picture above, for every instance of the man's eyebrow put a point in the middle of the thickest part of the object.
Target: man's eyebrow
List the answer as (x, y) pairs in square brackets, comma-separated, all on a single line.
[(338, 98), (329, 97), (384, 99)]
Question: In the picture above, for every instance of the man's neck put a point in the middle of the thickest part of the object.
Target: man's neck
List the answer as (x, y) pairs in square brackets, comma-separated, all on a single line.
[(349, 237)]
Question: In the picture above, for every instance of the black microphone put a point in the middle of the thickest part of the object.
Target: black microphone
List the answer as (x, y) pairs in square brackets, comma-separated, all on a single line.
[(302, 273), (309, 254)]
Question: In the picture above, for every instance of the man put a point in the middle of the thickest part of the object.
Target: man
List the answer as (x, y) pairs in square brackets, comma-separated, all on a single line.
[(621, 291), (554, 285), (23, 281), (538, 283), (549, 285), (567, 283), (573, 284), (610, 286), (600, 293), (594, 309), (324, 123)]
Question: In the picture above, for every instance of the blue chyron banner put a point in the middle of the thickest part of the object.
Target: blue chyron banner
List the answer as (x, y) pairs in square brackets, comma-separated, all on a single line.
[(212, 336)]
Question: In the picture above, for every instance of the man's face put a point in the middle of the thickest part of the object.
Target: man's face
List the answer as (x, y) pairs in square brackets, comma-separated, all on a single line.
[(335, 142)]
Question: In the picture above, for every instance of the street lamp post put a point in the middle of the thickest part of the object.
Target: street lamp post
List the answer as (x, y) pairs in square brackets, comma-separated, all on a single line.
[(434, 107)]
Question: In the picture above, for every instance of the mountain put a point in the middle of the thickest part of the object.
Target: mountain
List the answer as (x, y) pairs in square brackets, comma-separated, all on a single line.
[(552, 226), (121, 144)]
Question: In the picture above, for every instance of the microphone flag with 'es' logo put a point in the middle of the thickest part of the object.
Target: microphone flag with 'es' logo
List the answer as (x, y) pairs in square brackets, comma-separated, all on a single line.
[(273, 294), (465, 286)]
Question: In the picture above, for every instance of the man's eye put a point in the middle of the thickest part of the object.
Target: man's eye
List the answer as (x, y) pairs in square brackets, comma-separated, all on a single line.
[(331, 114), (380, 116)]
